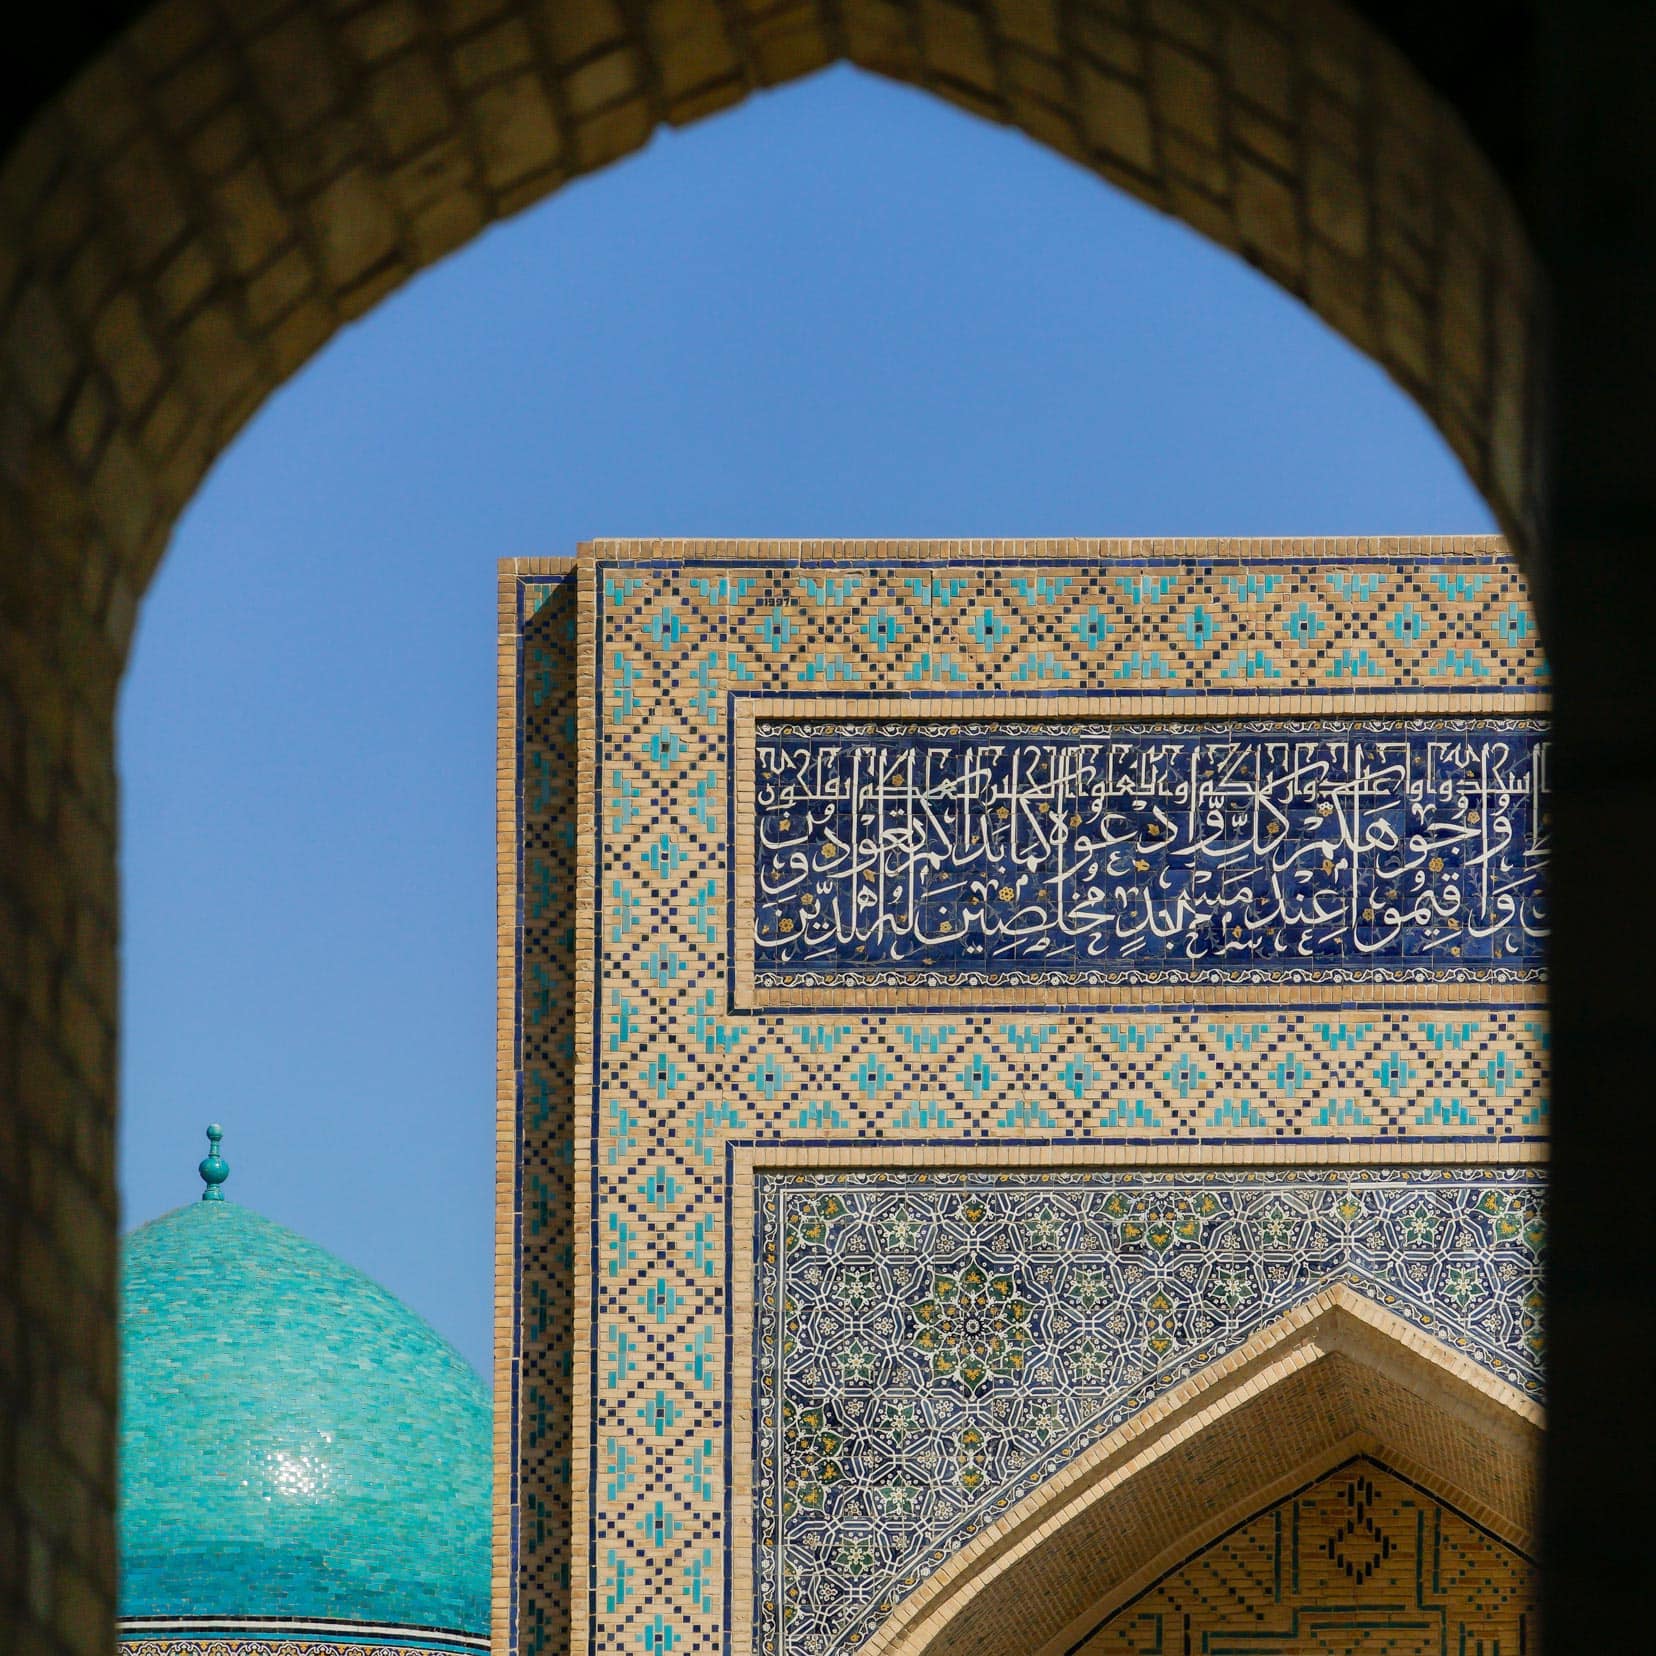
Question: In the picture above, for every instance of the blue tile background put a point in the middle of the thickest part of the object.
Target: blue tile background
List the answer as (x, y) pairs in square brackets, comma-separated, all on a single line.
[(1116, 852)]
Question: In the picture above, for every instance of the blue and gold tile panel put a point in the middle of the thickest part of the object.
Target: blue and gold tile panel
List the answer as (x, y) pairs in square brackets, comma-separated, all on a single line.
[(936, 854)]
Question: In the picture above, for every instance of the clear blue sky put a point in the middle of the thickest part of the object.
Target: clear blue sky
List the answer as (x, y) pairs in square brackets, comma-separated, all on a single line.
[(843, 309)]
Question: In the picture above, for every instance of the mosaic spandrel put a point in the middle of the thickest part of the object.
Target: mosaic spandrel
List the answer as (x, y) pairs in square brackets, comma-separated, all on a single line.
[(1112, 852), (929, 1349)]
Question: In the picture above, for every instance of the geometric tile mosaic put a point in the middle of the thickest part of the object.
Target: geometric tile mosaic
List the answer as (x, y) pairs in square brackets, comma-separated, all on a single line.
[(930, 1348), (341, 1641), (625, 792), (533, 1478)]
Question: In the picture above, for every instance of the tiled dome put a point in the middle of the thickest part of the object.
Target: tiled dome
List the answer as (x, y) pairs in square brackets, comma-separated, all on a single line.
[(295, 1443)]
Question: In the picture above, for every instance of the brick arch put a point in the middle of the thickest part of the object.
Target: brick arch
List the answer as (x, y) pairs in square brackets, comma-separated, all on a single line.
[(1359, 1551), (227, 184), (1337, 1378), (217, 194)]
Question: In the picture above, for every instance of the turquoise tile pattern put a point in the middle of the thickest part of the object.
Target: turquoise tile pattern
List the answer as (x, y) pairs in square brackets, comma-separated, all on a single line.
[(295, 1442)]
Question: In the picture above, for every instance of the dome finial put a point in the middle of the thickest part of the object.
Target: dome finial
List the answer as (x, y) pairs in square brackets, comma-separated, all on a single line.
[(214, 1169)]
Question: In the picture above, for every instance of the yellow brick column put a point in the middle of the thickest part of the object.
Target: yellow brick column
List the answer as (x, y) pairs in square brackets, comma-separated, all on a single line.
[(57, 1079)]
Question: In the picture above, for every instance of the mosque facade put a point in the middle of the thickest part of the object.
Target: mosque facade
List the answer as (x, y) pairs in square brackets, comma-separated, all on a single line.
[(1022, 1129), (1023, 1098)]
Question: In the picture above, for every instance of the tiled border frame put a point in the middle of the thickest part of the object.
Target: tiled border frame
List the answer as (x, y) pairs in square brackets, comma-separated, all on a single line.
[(794, 555), (283, 1636), (259, 1643), (748, 710), (1241, 1373), (513, 576)]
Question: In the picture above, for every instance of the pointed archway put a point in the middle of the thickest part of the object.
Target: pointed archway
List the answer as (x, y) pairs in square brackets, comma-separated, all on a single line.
[(1360, 1558), (223, 187), (1337, 1378)]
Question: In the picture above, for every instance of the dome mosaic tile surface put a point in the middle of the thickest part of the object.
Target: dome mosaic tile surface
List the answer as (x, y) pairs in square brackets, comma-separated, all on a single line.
[(299, 1450)]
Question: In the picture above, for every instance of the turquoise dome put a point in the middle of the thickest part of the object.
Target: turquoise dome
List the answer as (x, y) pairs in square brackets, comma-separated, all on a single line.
[(294, 1442)]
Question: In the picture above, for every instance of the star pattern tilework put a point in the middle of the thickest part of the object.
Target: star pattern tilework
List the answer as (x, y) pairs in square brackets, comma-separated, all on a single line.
[(928, 1351)]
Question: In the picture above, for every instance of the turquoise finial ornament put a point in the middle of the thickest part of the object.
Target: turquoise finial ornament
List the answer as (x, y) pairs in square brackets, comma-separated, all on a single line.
[(214, 1169)]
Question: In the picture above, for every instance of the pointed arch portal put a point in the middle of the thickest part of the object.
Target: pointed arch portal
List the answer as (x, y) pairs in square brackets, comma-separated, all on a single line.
[(1336, 1380)]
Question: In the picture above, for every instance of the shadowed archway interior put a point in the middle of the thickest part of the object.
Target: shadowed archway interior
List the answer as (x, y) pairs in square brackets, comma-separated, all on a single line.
[(1317, 1562)]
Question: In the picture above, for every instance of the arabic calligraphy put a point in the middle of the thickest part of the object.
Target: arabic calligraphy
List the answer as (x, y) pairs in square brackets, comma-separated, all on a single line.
[(1111, 852)]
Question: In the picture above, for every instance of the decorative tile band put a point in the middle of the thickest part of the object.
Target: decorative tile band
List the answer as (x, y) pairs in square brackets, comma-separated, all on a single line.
[(281, 1636), (976, 853), (236, 1644), (929, 1347)]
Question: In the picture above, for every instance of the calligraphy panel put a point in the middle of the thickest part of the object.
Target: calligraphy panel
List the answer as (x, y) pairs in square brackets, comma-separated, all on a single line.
[(934, 853)]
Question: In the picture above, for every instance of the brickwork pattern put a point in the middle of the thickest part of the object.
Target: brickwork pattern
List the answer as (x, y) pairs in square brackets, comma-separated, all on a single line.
[(534, 1264), (671, 1078), (1363, 1560), (226, 185)]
